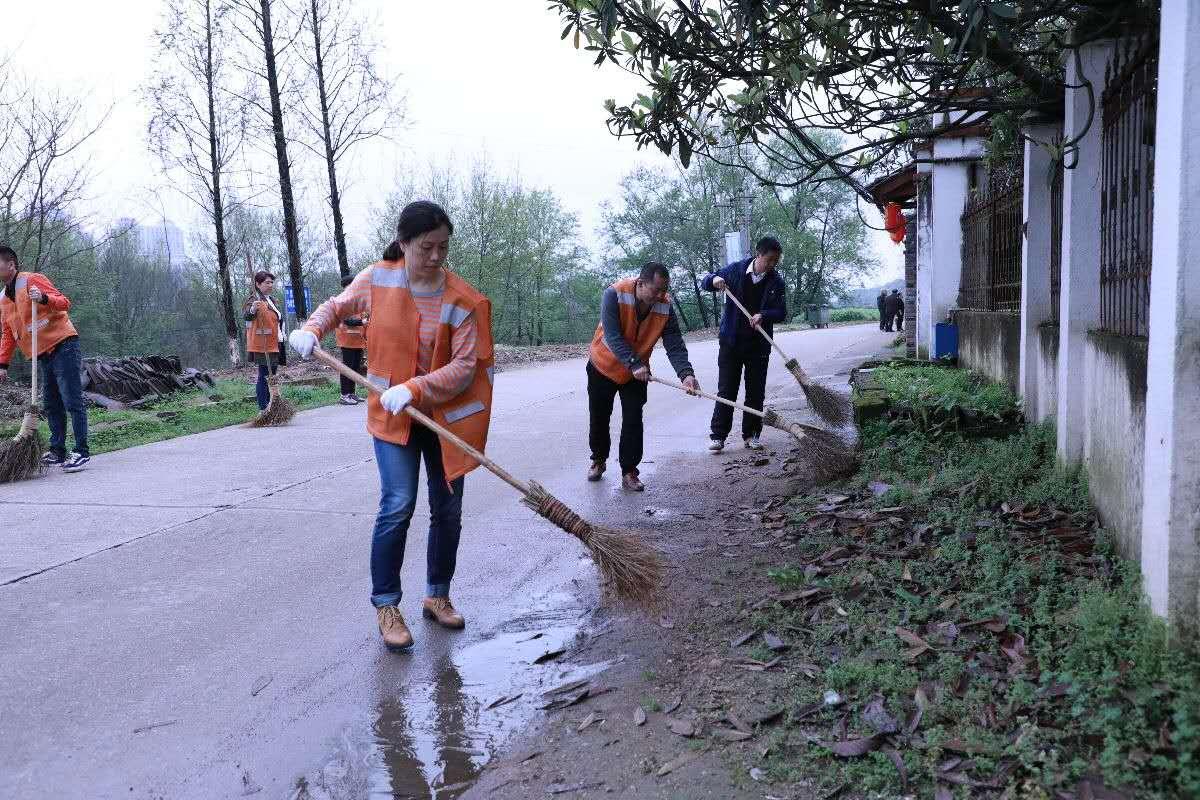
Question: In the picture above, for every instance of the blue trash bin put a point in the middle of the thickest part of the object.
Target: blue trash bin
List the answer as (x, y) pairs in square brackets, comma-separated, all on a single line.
[(945, 341)]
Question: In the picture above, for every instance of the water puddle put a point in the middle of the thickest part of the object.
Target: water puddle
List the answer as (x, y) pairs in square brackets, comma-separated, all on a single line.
[(429, 738)]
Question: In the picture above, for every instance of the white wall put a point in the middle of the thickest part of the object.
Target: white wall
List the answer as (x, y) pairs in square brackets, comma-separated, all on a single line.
[(1035, 262), (1170, 546)]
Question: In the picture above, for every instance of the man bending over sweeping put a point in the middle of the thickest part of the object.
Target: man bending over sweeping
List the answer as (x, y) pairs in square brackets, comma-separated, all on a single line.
[(634, 314), (58, 357), (430, 340)]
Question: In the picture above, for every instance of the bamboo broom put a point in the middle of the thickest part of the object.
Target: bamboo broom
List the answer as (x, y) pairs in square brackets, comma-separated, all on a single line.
[(20, 458), (279, 410), (826, 454), (629, 565), (829, 404)]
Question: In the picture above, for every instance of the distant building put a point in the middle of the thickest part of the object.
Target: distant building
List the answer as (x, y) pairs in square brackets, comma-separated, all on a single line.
[(162, 242)]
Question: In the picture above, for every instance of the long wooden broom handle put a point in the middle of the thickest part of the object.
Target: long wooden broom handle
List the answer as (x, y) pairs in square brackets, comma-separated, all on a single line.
[(33, 361), (729, 293), (703, 393), (499, 471)]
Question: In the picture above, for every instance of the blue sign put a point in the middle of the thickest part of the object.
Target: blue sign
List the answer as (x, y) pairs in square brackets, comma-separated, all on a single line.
[(288, 298)]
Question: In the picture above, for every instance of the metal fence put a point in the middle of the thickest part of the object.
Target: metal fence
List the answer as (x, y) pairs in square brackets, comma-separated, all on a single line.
[(991, 243), (1056, 235), (1127, 186)]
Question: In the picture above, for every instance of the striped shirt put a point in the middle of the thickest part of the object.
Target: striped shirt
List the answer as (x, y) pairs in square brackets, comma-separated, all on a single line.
[(429, 388)]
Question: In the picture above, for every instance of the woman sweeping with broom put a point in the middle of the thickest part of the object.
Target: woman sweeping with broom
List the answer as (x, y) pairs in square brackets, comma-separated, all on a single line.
[(264, 334), (431, 345)]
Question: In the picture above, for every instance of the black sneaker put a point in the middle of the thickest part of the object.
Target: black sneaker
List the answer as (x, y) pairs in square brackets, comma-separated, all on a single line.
[(75, 462), (51, 459), (348, 400)]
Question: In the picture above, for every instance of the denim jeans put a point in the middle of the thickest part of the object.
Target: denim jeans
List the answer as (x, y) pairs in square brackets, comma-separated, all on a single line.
[(268, 364), (58, 371), (399, 468)]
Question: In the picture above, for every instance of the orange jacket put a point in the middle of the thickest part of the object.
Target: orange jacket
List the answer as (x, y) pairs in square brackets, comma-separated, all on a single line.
[(262, 332), (354, 337), (642, 336), (392, 339), (16, 315)]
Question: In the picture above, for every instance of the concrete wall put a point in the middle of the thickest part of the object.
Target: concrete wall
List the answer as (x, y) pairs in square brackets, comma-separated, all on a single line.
[(1046, 358), (1115, 432), (989, 342)]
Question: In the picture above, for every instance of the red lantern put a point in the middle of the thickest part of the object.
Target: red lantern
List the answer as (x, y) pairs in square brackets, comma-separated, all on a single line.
[(894, 222)]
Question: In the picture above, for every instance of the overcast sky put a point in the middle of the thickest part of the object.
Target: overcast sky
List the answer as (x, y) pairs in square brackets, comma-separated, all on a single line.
[(479, 77)]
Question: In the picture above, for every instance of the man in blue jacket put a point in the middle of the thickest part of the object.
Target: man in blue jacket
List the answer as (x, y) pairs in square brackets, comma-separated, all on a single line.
[(762, 291)]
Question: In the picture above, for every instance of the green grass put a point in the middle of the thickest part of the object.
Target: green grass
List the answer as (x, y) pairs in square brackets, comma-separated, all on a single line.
[(961, 548), (853, 314), (231, 402)]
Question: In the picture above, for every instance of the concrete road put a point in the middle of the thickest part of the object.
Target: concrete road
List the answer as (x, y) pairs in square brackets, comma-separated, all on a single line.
[(179, 621)]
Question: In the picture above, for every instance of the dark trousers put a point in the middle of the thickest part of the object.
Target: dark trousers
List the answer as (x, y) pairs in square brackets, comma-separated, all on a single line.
[(62, 394), (399, 470), (732, 360), (268, 364), (352, 356), (602, 391)]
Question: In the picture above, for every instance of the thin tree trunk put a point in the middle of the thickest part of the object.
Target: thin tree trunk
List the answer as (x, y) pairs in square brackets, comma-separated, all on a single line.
[(290, 231), (218, 201), (699, 298), (687, 323), (335, 200)]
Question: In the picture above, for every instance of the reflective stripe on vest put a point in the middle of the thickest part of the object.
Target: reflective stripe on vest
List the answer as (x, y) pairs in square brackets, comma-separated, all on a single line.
[(462, 412), (642, 334)]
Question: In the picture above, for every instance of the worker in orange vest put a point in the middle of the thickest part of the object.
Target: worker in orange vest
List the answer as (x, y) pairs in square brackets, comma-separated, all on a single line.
[(264, 333), (445, 370), (634, 314), (58, 357), (352, 339)]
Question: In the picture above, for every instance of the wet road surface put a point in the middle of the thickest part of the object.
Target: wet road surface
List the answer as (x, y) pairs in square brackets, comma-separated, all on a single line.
[(175, 624)]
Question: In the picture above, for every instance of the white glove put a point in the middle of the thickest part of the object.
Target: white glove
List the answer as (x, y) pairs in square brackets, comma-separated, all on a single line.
[(396, 398), (302, 341)]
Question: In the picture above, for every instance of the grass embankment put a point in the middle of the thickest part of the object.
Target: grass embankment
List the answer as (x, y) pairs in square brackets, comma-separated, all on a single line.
[(967, 625), (231, 402)]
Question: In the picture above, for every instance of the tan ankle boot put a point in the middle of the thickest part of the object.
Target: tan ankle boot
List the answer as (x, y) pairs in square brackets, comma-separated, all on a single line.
[(392, 628), (441, 611)]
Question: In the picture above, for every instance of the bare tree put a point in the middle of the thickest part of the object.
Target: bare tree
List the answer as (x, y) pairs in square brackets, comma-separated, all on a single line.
[(353, 103), (198, 128), (43, 172), (258, 28)]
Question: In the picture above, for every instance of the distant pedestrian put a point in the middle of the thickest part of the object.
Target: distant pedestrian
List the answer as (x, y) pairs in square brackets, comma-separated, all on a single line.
[(264, 333), (352, 339), (898, 309), (889, 311), (634, 314), (58, 359), (757, 284), (881, 303)]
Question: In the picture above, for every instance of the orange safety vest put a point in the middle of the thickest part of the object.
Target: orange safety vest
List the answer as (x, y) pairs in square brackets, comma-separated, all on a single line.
[(352, 337), (642, 334), (53, 326), (262, 332), (392, 340)]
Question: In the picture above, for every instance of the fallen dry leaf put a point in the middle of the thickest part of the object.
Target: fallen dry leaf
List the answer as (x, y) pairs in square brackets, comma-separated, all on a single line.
[(588, 721), (774, 643), (730, 734), (682, 727), (853, 748), (501, 701), (549, 655), (639, 716), (675, 763), (878, 718), (673, 704)]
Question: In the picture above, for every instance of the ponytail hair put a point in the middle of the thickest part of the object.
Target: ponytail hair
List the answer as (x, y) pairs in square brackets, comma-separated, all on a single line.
[(393, 252)]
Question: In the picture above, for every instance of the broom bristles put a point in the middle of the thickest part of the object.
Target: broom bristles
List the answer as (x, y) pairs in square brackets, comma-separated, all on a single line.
[(827, 454), (20, 458), (279, 410), (629, 566), (828, 404)]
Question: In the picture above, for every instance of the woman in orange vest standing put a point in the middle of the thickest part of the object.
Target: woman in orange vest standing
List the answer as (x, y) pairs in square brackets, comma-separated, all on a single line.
[(352, 339), (430, 340), (264, 333)]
